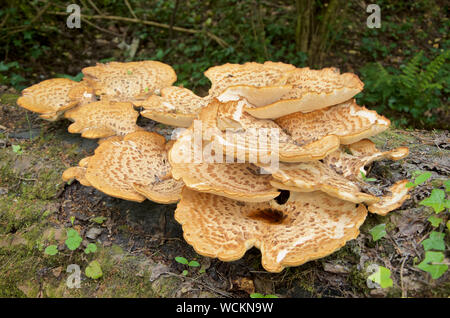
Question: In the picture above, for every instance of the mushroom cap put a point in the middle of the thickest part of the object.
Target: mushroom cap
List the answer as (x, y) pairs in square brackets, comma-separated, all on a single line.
[(398, 193), (103, 119), (258, 83), (311, 90), (362, 154), (347, 120), (77, 173), (308, 226), (316, 176), (177, 106), (133, 168), (254, 138), (49, 98), (238, 181), (129, 81)]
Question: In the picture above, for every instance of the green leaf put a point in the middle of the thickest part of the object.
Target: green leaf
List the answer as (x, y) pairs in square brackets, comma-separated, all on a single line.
[(436, 200), (185, 272), (378, 232), (256, 295), (367, 179), (271, 296), (17, 149), (181, 260), (73, 240), (447, 185), (51, 250), (410, 185), (94, 270), (72, 219), (382, 277), (422, 178), (434, 220), (435, 270), (448, 225), (434, 242), (98, 219), (91, 248), (193, 264)]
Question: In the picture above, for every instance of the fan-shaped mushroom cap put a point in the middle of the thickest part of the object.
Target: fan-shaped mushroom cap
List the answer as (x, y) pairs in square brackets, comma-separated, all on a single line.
[(398, 193), (129, 81), (311, 90), (347, 120), (238, 181), (249, 136), (316, 176), (177, 106), (258, 83), (51, 97), (134, 168), (103, 119), (77, 173), (308, 226), (362, 154)]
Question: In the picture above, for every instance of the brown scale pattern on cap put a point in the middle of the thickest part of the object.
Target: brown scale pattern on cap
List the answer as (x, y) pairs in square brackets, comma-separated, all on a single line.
[(103, 119), (347, 120), (129, 81), (239, 181), (308, 226), (315, 176), (177, 106), (362, 154), (311, 90), (133, 168), (51, 98), (247, 74), (246, 130)]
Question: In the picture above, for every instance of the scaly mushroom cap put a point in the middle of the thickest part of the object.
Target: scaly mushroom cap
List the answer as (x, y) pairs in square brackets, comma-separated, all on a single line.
[(258, 83), (347, 120), (77, 173), (134, 168), (238, 181), (129, 81), (250, 137), (362, 154), (316, 176), (308, 226), (177, 106), (50, 98), (398, 193), (103, 119), (311, 90)]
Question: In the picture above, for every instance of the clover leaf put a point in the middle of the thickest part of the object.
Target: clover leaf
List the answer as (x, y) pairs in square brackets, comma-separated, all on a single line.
[(73, 240), (51, 250), (94, 270), (90, 248)]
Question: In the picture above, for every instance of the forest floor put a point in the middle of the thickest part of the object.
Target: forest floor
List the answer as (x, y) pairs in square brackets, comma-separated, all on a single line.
[(138, 242)]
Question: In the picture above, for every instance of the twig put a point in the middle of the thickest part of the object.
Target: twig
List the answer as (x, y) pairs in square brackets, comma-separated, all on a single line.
[(99, 28), (95, 7), (131, 9), (404, 291), (219, 41)]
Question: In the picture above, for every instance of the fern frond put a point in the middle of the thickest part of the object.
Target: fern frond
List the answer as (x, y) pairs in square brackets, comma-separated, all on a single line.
[(428, 75), (411, 71)]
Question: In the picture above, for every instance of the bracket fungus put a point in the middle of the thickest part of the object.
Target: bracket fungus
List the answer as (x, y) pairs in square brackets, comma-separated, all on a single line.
[(271, 158), (311, 90), (259, 83), (177, 106), (308, 226), (103, 119), (51, 98), (129, 81)]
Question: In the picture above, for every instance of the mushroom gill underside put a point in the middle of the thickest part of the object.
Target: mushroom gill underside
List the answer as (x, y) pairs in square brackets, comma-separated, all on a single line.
[(274, 157)]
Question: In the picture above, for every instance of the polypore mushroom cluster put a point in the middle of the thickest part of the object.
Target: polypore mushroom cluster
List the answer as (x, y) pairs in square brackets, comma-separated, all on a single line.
[(274, 157)]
